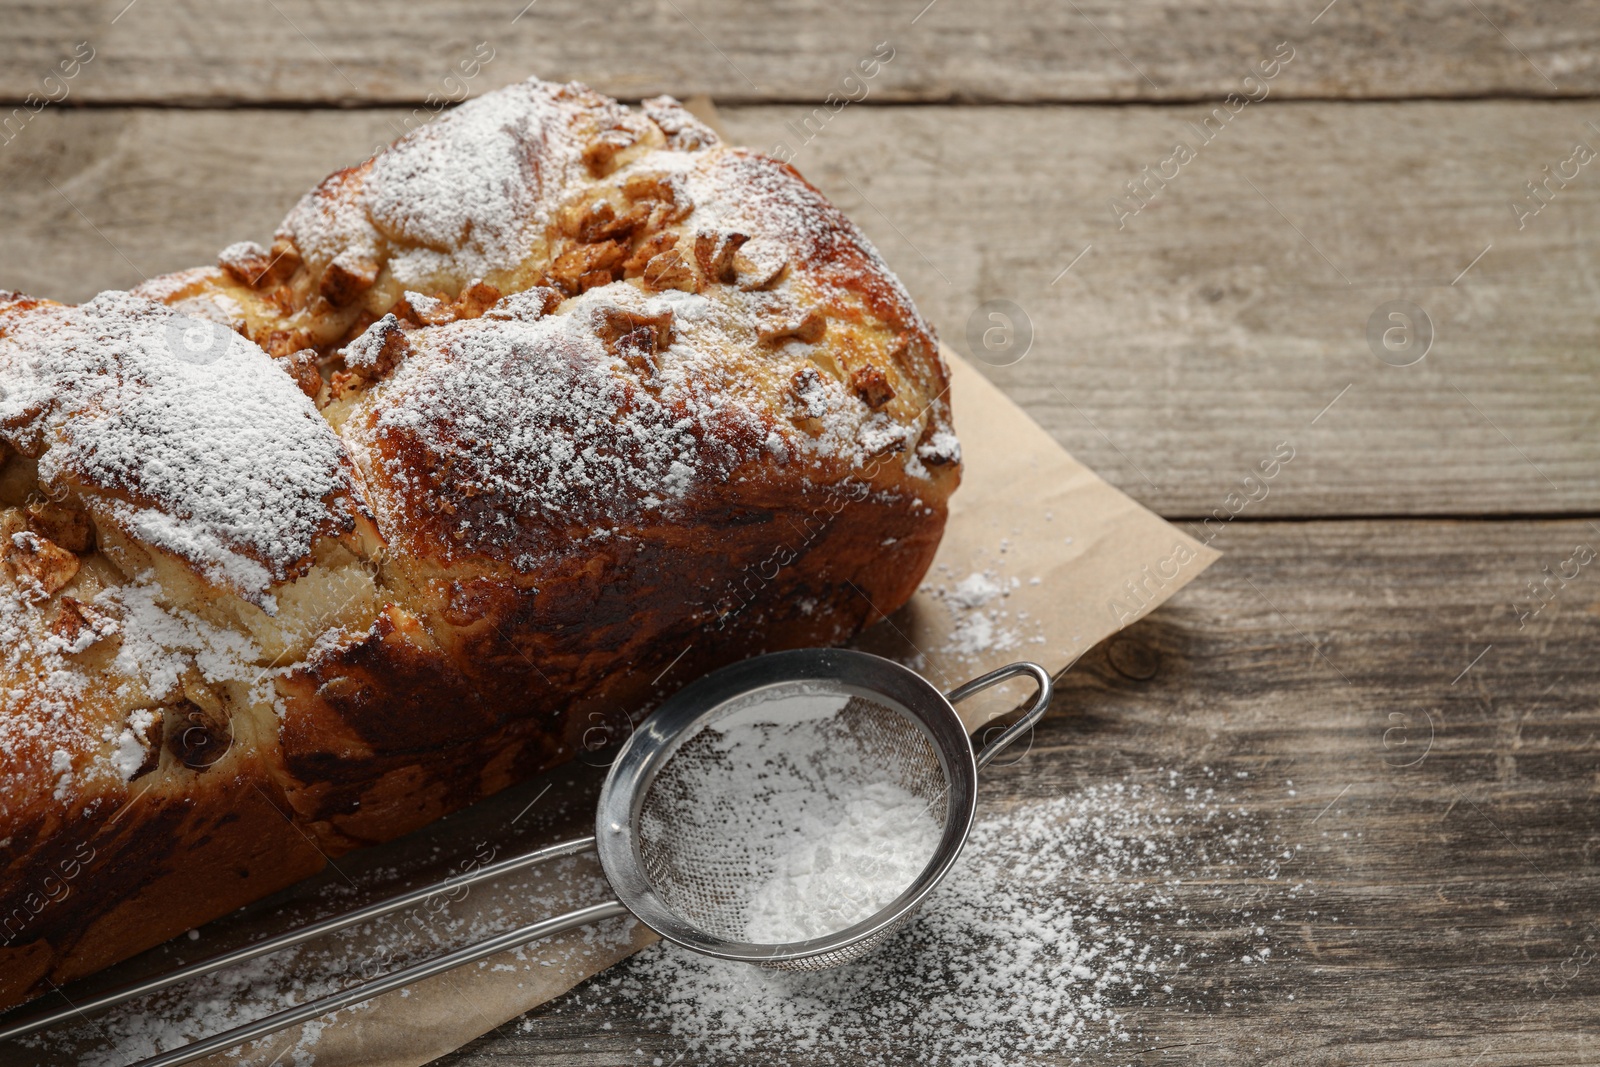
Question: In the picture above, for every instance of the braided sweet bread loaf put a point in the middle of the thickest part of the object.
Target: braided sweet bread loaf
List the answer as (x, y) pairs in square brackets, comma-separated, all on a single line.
[(532, 416)]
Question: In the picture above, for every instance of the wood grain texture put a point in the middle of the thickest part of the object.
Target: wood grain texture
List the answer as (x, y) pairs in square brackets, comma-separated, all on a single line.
[(303, 51), (1210, 331), (1450, 864)]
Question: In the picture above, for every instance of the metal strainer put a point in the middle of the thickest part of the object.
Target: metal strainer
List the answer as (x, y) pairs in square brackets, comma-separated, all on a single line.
[(660, 833), (690, 884)]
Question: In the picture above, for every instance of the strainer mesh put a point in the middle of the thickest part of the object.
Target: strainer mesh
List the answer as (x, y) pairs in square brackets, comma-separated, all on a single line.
[(712, 824)]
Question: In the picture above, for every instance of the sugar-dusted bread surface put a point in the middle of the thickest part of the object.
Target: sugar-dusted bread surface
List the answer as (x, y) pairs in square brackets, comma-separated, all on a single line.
[(307, 549)]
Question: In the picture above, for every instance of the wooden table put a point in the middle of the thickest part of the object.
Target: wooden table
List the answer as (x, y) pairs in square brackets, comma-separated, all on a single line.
[(1382, 584)]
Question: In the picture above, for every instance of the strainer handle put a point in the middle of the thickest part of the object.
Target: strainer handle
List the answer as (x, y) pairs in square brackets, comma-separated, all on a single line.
[(1041, 701)]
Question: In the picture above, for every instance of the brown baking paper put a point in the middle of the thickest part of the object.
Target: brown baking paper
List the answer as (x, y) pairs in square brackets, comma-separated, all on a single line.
[(1040, 561)]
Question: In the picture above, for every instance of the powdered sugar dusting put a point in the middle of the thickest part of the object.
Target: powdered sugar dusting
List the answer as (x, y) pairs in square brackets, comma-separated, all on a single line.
[(538, 423), (203, 448), (461, 197)]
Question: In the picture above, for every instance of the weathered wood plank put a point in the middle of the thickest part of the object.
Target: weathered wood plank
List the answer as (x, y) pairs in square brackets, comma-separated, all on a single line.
[(1446, 817), (1206, 336), (304, 51)]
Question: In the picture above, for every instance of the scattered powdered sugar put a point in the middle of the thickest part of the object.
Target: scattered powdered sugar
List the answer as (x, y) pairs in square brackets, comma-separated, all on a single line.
[(1061, 916), (201, 444), (978, 623)]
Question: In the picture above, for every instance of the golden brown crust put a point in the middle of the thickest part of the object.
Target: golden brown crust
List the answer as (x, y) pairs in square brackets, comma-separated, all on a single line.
[(593, 404)]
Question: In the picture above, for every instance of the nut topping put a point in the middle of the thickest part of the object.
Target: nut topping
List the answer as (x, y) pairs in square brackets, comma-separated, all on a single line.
[(872, 386), (346, 278), (43, 563)]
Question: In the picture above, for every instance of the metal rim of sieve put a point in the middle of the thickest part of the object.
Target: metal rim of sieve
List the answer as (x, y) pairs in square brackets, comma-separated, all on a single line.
[(685, 714)]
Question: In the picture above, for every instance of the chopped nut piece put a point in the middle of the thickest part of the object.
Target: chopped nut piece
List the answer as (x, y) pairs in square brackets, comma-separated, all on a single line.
[(648, 249), (346, 278), (670, 270), (664, 195), (245, 261), (938, 448), (714, 252), (80, 625), (600, 153), (806, 385), (44, 563), (146, 724), (759, 266), (377, 351), (65, 526), (302, 367), (281, 343), (530, 305), (422, 310), (257, 267), (683, 131), (600, 222), (612, 324), (872, 386), (779, 320), (637, 349), (475, 299), (574, 263)]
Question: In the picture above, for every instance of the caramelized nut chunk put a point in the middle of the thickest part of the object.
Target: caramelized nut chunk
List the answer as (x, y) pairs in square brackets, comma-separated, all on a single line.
[(663, 195), (872, 386), (196, 737), (283, 343), (302, 367), (245, 261), (938, 448), (420, 309), (42, 562), (65, 526), (80, 625), (530, 305), (806, 385), (475, 299), (574, 263), (683, 131), (715, 251), (648, 249), (377, 351), (600, 222), (759, 267), (346, 278), (600, 153), (259, 268), (670, 270), (780, 320), (285, 260), (612, 324), (637, 349)]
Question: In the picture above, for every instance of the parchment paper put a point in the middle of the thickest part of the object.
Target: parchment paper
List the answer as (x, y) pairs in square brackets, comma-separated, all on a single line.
[(1041, 560)]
